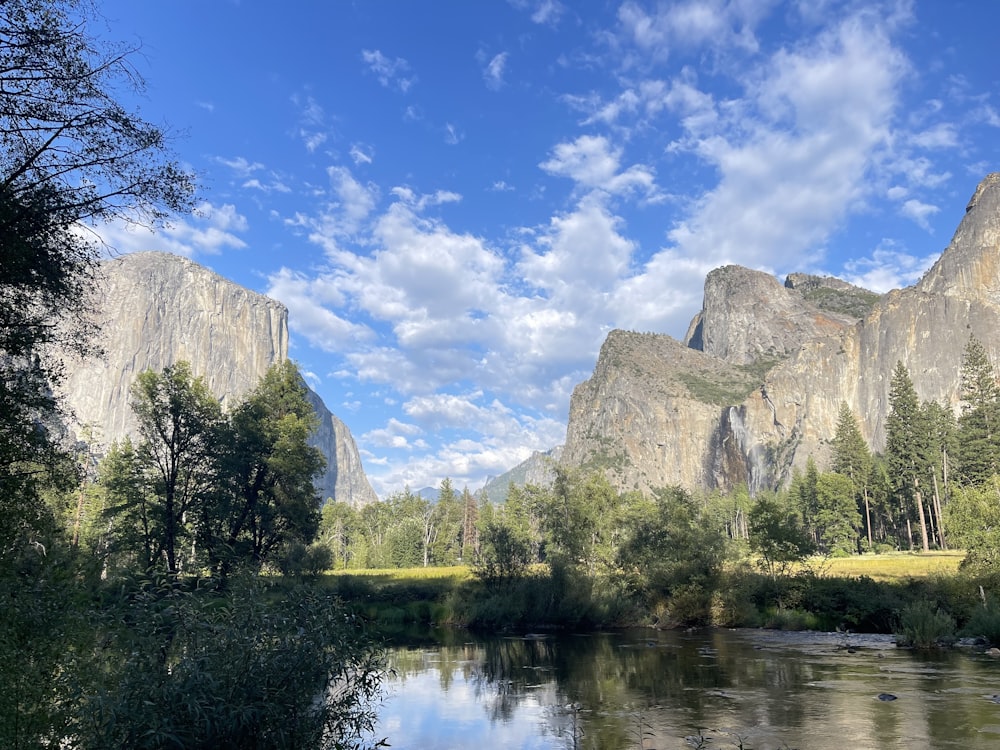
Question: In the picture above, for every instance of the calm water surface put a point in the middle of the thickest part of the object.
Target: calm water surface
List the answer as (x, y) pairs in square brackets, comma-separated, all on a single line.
[(763, 690)]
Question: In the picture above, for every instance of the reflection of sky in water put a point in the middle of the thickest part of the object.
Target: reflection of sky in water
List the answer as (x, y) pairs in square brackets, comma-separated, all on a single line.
[(417, 714), (768, 690)]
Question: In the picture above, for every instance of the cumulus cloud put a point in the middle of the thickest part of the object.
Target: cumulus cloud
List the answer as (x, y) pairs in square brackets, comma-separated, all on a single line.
[(482, 339), (594, 163), (208, 230)]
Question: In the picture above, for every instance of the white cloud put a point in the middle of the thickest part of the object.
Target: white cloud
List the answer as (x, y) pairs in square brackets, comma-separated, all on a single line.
[(391, 73), (308, 302), (208, 230), (794, 157), (494, 70), (890, 266), (242, 166), (545, 12), (452, 135), (592, 162), (716, 24), (919, 212), (362, 154)]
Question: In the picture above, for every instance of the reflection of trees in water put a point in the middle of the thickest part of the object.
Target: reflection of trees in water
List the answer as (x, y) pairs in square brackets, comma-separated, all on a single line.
[(620, 690)]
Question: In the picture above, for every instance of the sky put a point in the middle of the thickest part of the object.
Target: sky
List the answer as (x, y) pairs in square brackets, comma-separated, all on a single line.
[(457, 201)]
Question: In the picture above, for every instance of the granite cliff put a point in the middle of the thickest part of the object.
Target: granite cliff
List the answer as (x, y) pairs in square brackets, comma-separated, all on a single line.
[(155, 309), (756, 387)]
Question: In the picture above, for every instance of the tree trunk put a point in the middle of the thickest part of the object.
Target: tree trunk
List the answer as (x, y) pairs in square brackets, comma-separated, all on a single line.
[(919, 498), (937, 512), (868, 521)]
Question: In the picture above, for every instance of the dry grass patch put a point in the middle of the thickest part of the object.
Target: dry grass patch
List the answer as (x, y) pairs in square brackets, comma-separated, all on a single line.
[(893, 566)]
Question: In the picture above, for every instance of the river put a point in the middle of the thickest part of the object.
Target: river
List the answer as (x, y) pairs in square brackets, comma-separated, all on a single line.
[(749, 689)]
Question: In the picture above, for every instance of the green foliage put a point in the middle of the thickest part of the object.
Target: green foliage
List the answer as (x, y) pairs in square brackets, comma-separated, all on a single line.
[(984, 622), (188, 669), (836, 516), (43, 618), (722, 391), (777, 536), (973, 519), (226, 489), (670, 552), (908, 450), (69, 154), (180, 422), (979, 425), (503, 557), (923, 625)]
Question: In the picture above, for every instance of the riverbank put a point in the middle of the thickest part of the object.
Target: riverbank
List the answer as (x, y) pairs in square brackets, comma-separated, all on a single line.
[(869, 594)]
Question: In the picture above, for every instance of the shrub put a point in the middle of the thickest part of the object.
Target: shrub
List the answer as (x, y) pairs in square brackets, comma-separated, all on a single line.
[(984, 622), (194, 669), (924, 625)]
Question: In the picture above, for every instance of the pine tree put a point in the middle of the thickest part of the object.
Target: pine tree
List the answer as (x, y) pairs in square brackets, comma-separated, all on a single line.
[(906, 445), (942, 433), (979, 424), (852, 458)]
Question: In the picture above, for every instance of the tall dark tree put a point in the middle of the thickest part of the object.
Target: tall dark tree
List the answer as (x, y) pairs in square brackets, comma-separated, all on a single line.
[(853, 459), (906, 446), (70, 153), (180, 423), (979, 423), (267, 498)]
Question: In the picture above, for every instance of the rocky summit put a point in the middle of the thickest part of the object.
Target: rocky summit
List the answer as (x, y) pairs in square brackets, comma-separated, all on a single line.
[(756, 387), (155, 309)]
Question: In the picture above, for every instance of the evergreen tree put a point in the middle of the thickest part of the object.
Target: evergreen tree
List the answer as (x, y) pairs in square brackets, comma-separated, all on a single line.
[(906, 445), (853, 459), (979, 423), (837, 518), (470, 516), (942, 441)]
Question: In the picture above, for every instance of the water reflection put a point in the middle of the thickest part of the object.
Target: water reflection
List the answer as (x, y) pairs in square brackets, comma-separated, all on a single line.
[(713, 689)]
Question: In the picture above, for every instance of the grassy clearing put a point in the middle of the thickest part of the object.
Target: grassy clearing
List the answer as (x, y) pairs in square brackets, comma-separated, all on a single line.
[(454, 573), (893, 567)]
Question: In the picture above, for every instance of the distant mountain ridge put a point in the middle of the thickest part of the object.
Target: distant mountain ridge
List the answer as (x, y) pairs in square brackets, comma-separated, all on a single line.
[(537, 469), (756, 387), (155, 309)]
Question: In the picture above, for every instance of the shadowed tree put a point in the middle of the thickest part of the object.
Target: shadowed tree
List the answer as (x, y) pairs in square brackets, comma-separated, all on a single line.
[(180, 422), (267, 498), (69, 153)]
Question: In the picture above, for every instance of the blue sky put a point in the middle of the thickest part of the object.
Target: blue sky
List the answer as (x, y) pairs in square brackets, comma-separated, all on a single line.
[(458, 200)]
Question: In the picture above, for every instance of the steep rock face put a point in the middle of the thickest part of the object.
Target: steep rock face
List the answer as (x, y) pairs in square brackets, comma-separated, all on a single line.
[(748, 316), (651, 413), (155, 309), (657, 434)]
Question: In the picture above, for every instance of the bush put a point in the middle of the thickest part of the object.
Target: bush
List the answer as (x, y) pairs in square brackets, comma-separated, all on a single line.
[(194, 669), (984, 622), (924, 625)]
